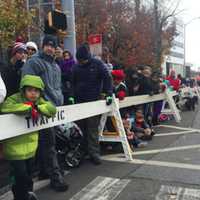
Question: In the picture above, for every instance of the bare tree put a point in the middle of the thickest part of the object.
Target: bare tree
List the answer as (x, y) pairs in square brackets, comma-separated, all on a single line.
[(162, 12)]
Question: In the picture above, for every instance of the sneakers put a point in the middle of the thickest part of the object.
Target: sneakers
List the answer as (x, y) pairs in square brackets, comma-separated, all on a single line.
[(59, 185), (32, 196), (95, 160)]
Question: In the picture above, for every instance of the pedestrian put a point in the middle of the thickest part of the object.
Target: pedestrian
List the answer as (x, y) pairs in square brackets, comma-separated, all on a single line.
[(120, 89), (66, 68), (174, 81), (20, 150), (31, 48), (43, 64), (145, 88), (90, 79), (132, 81), (11, 73), (2, 90)]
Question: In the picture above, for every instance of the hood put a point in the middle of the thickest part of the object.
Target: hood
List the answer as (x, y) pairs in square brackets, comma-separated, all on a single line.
[(32, 81)]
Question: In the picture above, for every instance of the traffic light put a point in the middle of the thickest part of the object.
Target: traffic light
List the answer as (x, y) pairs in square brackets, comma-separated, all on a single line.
[(57, 20), (56, 24)]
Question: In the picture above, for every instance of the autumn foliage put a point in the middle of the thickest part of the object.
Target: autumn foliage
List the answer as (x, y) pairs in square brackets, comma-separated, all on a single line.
[(14, 20), (129, 32)]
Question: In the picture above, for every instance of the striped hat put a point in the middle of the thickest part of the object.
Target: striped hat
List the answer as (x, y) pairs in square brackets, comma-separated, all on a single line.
[(18, 46)]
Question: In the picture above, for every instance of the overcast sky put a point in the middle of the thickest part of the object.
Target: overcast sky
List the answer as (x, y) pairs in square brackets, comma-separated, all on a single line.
[(192, 10)]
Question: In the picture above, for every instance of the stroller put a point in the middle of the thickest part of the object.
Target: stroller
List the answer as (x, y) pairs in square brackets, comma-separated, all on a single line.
[(69, 139)]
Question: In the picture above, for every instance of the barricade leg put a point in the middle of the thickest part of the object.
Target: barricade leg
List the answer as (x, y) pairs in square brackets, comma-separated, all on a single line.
[(121, 137), (172, 105)]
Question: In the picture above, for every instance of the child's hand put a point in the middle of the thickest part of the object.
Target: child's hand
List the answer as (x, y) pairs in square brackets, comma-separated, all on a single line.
[(34, 112)]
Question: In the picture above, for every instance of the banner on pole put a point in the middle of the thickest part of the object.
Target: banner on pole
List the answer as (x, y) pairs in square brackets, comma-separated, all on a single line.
[(95, 43)]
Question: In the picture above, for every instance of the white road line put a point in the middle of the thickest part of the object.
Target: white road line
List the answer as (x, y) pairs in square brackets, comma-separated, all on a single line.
[(177, 193), (102, 188), (153, 163), (155, 151), (179, 128), (174, 133)]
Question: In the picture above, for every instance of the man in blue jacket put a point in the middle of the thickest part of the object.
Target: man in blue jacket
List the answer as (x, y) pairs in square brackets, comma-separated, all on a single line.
[(91, 79), (43, 64)]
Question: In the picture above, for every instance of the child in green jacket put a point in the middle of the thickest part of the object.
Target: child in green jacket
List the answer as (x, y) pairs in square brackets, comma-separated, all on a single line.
[(21, 149)]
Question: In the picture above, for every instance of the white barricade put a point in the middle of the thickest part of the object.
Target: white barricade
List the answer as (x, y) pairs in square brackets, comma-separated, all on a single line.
[(14, 125)]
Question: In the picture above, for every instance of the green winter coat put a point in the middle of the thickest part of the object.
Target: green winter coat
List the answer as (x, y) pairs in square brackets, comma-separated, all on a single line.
[(24, 147)]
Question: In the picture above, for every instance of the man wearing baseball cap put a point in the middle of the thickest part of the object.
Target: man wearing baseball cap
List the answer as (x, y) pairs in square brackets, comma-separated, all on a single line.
[(43, 64)]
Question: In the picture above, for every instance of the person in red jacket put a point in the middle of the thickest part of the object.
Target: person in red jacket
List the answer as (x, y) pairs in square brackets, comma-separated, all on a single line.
[(174, 81), (120, 89)]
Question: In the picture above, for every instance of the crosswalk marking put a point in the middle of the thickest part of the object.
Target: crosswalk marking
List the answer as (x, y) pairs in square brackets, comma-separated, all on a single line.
[(177, 193), (102, 188)]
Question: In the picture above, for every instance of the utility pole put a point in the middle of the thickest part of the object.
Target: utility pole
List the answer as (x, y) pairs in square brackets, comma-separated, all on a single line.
[(70, 39)]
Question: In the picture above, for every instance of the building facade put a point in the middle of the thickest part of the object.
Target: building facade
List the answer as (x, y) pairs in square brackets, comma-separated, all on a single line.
[(176, 59)]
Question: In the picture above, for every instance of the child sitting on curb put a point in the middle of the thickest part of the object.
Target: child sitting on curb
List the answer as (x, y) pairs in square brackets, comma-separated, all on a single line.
[(132, 138), (141, 128), (20, 150)]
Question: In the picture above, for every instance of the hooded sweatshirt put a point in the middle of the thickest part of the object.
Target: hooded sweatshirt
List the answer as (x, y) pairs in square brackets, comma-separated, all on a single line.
[(24, 146)]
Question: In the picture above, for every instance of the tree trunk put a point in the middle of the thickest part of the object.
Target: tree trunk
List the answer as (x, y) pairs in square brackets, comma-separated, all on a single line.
[(157, 36)]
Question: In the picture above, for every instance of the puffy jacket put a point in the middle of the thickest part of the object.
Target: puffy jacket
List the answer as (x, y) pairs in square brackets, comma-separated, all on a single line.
[(174, 82), (11, 75), (24, 146), (45, 66), (90, 80), (2, 90)]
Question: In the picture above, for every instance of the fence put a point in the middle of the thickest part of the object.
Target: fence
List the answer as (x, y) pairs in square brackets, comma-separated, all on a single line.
[(15, 125)]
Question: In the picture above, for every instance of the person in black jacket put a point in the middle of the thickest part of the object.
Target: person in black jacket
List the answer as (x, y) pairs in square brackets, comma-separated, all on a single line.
[(90, 78), (11, 73), (145, 88)]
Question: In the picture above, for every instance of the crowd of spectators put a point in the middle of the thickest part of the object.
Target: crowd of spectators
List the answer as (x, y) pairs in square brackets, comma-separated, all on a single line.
[(54, 77)]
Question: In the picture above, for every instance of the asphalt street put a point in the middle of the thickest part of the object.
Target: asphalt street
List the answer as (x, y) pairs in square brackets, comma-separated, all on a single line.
[(167, 169)]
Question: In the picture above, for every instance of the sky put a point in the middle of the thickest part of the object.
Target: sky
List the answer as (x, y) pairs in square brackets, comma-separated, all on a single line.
[(192, 10)]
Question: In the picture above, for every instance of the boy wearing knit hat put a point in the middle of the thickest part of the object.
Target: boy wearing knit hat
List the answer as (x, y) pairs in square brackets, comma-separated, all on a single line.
[(20, 150)]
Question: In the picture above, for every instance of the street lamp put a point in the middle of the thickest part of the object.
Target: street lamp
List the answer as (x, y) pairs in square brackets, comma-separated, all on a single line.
[(185, 26)]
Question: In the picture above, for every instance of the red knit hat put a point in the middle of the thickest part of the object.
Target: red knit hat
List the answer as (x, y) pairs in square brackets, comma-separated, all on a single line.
[(118, 74)]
